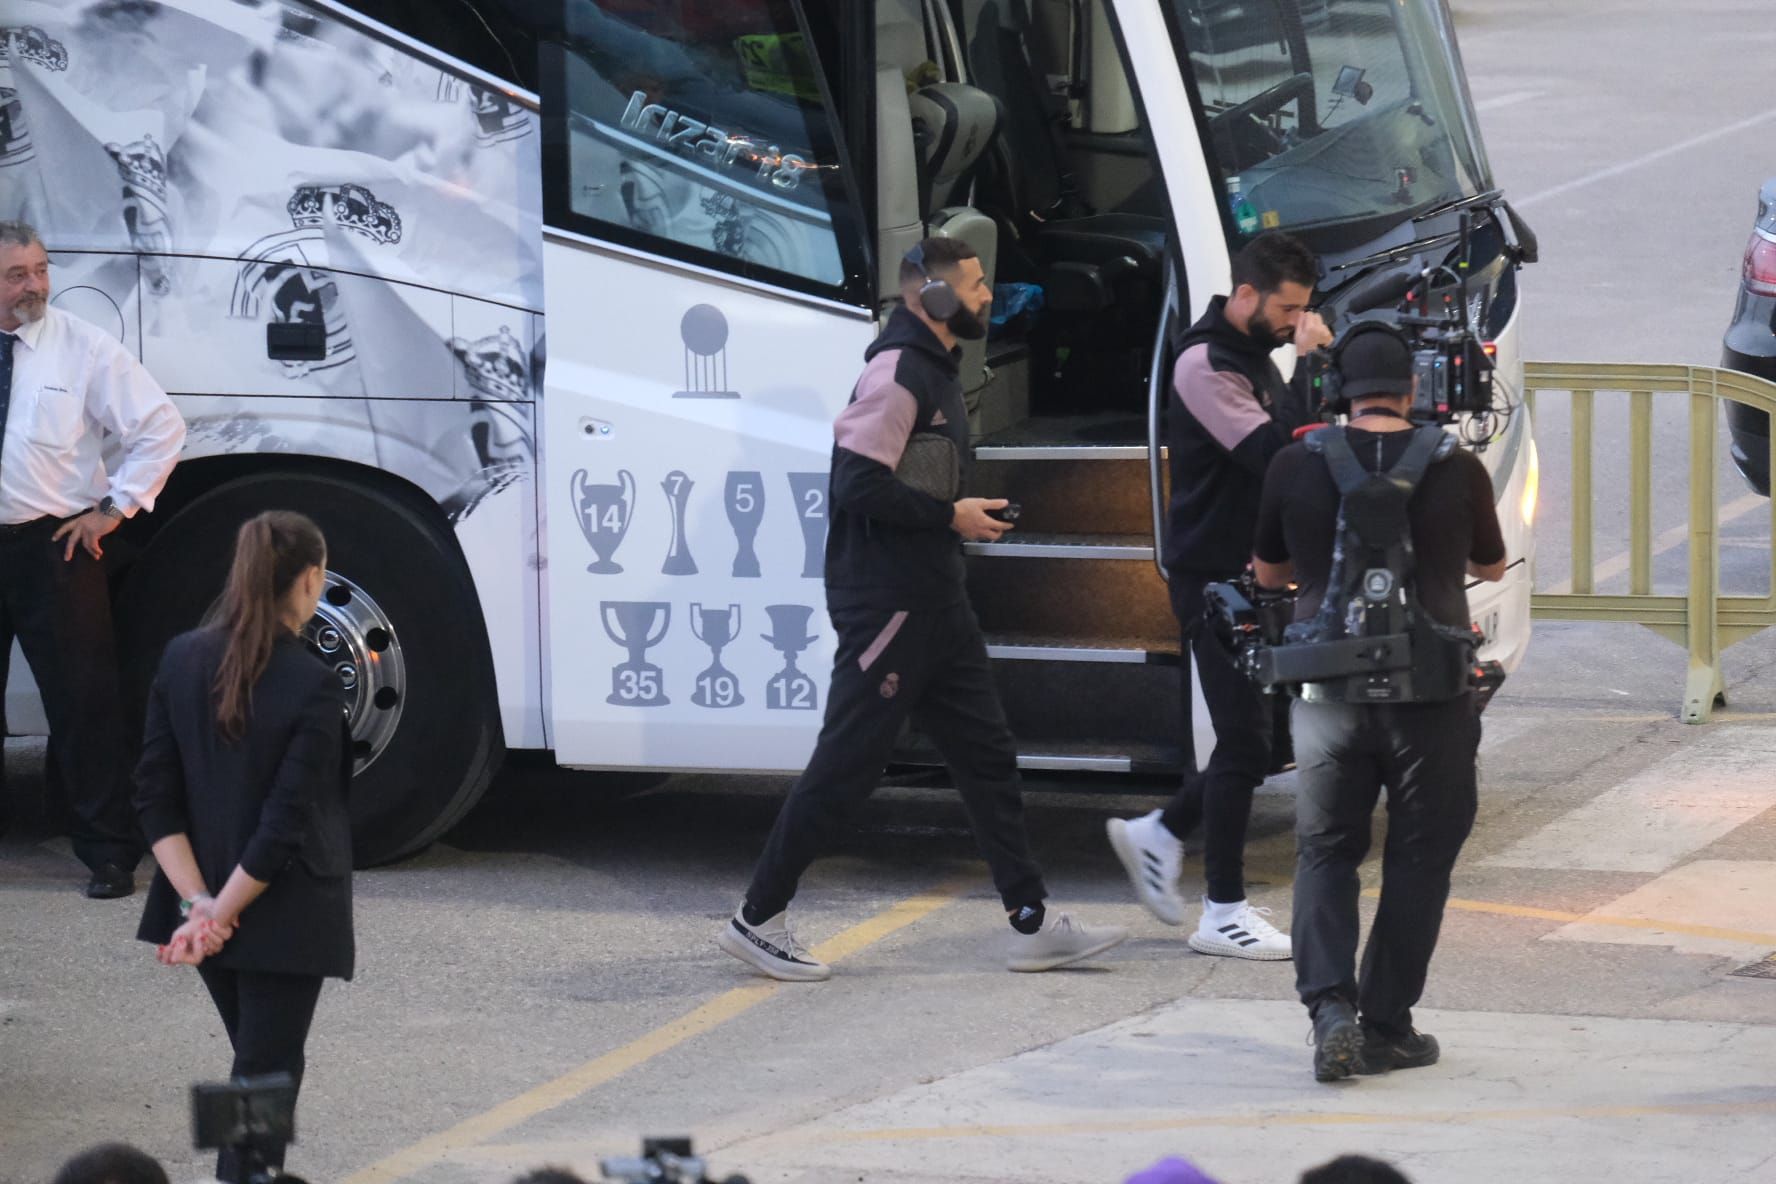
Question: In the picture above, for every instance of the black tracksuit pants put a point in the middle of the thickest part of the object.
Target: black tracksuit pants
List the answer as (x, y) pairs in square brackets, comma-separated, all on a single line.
[(931, 666), (60, 612), (1219, 797), (1423, 753), (267, 1017)]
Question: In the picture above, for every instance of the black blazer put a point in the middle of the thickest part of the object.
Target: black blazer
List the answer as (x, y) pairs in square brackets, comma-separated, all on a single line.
[(274, 803)]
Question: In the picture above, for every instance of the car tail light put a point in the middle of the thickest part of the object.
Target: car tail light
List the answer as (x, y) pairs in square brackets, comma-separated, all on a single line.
[(1760, 264)]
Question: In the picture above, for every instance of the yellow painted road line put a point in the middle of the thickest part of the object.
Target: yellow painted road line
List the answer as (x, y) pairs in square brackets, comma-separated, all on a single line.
[(1670, 540), (1282, 1118), (1645, 923), (602, 1070)]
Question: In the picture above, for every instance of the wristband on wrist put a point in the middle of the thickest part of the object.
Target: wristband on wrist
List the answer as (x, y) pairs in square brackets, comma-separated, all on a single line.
[(185, 906)]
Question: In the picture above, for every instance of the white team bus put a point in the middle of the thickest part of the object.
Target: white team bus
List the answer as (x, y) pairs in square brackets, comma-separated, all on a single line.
[(341, 235)]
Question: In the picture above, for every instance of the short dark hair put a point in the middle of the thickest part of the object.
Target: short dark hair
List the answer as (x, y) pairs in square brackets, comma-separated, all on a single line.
[(112, 1163), (549, 1175), (1272, 260), (19, 234), (938, 253), (1354, 1169)]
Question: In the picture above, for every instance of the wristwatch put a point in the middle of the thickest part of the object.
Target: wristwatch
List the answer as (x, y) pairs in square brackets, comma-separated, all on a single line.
[(109, 508), (185, 906)]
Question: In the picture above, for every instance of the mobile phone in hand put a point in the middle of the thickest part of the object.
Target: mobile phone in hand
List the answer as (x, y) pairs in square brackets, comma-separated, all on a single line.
[(1007, 513)]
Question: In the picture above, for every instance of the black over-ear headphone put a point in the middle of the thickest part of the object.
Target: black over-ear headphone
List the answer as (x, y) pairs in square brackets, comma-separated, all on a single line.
[(1357, 329), (936, 297)]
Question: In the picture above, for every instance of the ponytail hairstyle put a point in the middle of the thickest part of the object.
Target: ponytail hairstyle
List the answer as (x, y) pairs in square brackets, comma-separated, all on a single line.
[(270, 552)]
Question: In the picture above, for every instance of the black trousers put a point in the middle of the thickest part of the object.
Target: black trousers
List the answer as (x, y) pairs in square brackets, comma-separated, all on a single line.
[(931, 667), (267, 1017), (1423, 754), (60, 612), (1219, 796)]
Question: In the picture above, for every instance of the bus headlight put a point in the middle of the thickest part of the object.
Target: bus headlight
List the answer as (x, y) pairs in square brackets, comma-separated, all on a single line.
[(1532, 486)]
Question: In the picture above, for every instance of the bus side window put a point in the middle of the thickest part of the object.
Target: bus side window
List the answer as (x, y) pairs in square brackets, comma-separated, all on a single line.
[(699, 130)]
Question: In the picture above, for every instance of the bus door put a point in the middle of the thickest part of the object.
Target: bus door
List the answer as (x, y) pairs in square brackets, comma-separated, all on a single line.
[(709, 300)]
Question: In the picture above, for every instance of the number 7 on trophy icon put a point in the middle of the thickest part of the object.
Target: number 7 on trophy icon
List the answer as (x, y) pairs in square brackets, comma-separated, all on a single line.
[(604, 513)]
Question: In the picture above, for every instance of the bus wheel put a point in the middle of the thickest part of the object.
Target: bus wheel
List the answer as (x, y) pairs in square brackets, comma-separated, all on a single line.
[(399, 623)]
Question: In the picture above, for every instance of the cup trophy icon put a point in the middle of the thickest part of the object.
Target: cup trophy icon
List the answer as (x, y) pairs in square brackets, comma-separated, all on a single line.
[(745, 502), (636, 625), (715, 628), (604, 513), (790, 689), (678, 556), (809, 491)]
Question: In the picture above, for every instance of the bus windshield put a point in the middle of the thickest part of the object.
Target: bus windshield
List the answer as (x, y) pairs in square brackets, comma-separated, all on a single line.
[(1342, 117)]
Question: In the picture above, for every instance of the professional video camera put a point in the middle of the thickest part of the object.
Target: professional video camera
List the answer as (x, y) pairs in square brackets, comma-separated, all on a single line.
[(662, 1161), (1453, 363)]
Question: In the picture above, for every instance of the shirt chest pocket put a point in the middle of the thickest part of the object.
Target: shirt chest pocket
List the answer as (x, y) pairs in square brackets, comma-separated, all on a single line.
[(54, 418)]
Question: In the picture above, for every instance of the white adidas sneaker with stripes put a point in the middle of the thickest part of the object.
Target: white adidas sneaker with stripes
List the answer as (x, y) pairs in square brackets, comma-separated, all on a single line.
[(1152, 857), (1240, 931)]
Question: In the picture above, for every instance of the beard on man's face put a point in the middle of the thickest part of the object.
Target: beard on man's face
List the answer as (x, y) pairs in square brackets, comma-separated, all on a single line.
[(969, 324), (30, 309), (1259, 326)]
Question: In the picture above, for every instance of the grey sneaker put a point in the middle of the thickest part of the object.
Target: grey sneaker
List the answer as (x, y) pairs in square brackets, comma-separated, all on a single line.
[(1060, 940), (1152, 856), (772, 950)]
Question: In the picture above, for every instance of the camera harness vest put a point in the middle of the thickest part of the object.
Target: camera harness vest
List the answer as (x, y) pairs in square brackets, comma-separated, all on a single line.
[(1371, 610)]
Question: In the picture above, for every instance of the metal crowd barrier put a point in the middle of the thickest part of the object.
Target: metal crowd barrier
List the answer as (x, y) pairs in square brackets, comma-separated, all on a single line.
[(1702, 620)]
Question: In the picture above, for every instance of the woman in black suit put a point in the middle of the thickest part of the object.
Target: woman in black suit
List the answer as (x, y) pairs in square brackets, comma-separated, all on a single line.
[(242, 784)]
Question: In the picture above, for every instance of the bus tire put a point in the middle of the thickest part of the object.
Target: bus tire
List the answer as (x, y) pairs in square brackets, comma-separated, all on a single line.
[(446, 743)]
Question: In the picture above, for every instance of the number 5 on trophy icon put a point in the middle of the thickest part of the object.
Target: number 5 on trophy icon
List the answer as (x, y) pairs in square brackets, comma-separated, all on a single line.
[(604, 513)]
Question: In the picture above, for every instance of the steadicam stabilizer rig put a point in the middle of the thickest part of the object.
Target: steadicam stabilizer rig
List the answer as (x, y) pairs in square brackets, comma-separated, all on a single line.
[(1371, 641)]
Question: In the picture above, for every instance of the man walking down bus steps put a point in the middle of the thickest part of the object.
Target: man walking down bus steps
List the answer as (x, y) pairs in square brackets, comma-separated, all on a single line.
[(908, 641), (1234, 412), (67, 391)]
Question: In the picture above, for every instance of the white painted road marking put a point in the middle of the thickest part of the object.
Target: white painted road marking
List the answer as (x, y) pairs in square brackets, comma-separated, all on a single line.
[(1651, 821), (1616, 170)]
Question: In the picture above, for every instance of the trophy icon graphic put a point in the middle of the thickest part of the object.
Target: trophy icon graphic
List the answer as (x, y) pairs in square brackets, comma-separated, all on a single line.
[(715, 628), (604, 512), (745, 501), (678, 557), (704, 331), (790, 689), (636, 625), (809, 491)]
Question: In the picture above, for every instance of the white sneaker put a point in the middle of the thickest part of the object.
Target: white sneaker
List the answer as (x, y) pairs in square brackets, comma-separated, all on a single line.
[(1152, 856), (1060, 940), (771, 949), (1240, 931)]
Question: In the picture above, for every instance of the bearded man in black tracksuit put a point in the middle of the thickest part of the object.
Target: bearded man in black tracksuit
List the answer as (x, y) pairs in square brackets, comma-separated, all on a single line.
[(1233, 412), (908, 641)]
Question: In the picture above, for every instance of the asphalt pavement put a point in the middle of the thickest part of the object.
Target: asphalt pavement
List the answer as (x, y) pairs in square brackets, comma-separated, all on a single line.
[(543, 986)]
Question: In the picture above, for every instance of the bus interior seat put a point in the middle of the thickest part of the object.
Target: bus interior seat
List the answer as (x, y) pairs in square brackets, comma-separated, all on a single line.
[(1102, 272)]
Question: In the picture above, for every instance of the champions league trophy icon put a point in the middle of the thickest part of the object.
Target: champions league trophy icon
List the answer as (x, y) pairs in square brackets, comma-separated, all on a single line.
[(636, 625), (678, 557), (704, 331), (715, 628), (604, 513), (745, 501), (809, 491), (789, 689)]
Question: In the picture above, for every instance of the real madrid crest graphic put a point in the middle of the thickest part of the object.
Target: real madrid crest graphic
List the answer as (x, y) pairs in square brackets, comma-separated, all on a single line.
[(278, 281), (30, 44), (142, 166)]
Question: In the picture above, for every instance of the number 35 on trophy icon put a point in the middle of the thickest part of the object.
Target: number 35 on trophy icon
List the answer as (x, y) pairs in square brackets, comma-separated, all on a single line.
[(604, 512)]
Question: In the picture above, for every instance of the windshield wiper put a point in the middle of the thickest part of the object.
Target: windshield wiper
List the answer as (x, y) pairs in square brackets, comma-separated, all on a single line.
[(1461, 203), (1404, 250)]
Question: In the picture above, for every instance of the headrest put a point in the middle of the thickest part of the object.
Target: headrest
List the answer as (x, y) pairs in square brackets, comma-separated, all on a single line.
[(957, 124)]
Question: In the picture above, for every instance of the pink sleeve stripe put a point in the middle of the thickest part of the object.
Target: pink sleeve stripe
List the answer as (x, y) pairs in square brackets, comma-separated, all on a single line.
[(1222, 402), (881, 414)]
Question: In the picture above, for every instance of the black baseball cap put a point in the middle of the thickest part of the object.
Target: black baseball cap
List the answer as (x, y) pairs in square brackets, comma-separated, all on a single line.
[(1375, 361)]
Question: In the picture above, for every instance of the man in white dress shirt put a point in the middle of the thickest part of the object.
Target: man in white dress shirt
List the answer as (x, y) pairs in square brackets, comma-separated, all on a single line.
[(67, 389)]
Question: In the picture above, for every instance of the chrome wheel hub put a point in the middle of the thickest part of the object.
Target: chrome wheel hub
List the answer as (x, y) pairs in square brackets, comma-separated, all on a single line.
[(352, 634)]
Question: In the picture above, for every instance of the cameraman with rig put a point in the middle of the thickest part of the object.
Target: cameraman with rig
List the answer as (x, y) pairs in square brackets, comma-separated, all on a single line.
[(1379, 524), (1233, 413)]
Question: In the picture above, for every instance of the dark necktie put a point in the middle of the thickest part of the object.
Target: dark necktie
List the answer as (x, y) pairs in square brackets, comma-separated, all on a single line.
[(7, 340)]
